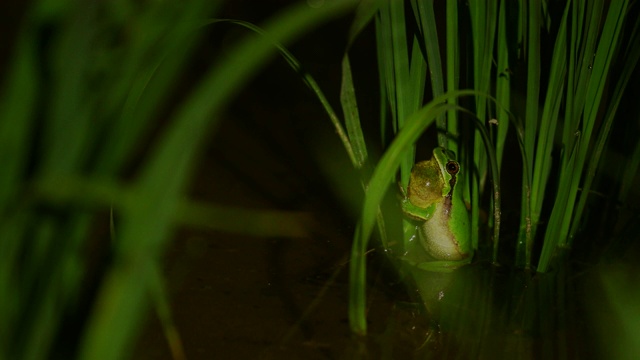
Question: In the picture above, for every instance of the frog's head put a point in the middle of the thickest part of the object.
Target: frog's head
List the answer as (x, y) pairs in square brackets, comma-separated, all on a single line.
[(433, 180)]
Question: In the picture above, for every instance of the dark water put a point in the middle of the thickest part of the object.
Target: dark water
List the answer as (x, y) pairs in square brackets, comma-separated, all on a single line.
[(245, 298)]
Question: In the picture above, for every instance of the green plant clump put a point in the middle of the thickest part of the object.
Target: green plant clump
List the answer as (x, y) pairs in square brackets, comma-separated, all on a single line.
[(85, 84)]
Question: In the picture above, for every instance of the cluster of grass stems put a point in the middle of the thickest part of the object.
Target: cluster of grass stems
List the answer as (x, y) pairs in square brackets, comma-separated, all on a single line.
[(561, 130), (86, 80)]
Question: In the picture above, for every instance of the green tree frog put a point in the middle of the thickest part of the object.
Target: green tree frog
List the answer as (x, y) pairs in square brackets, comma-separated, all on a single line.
[(434, 201)]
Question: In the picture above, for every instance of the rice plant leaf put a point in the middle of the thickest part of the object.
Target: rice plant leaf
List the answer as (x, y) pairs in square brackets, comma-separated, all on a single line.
[(503, 83), (453, 74), (404, 77), (530, 127), (533, 81), (549, 121), (351, 116), (363, 15), (427, 22)]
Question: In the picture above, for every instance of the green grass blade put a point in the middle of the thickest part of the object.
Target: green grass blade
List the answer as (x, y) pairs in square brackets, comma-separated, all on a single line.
[(427, 22), (365, 12), (503, 96), (401, 64), (453, 75), (405, 100), (483, 25), (530, 125), (351, 116), (548, 123), (405, 78), (503, 83)]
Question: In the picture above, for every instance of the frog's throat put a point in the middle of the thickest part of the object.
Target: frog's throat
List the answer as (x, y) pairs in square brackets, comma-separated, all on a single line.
[(437, 238)]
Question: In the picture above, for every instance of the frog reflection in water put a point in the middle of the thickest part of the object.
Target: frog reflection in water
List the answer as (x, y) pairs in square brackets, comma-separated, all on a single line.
[(434, 202)]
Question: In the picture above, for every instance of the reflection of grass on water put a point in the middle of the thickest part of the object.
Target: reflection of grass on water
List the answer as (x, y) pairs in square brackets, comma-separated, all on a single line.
[(86, 82)]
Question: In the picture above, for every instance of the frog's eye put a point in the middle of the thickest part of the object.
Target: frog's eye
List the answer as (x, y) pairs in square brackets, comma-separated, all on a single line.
[(452, 167)]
